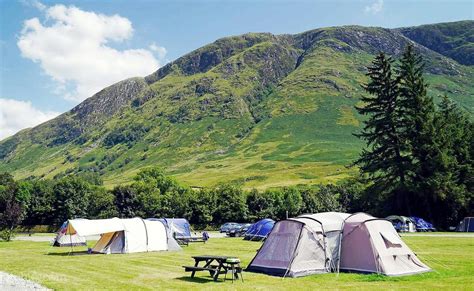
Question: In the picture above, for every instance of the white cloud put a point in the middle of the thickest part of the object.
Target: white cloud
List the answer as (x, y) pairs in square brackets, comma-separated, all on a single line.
[(33, 3), (73, 48), (16, 115), (374, 8), (160, 51)]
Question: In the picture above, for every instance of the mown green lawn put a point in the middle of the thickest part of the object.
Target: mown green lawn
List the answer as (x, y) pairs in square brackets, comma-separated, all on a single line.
[(452, 259)]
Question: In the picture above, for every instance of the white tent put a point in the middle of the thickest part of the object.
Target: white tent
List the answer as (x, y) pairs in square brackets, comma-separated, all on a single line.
[(301, 246), (64, 239), (124, 235)]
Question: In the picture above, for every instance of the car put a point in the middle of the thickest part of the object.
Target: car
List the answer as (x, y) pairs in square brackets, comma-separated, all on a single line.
[(234, 230), (226, 226), (238, 229)]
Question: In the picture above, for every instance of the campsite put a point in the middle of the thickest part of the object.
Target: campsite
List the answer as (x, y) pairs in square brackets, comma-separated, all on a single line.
[(236, 145), (449, 254)]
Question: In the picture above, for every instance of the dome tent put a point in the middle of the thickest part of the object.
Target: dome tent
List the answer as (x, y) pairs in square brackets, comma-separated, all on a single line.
[(301, 246), (260, 229), (372, 245)]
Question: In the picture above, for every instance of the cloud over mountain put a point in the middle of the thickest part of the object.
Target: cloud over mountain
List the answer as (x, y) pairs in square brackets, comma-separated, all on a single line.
[(16, 115), (74, 48)]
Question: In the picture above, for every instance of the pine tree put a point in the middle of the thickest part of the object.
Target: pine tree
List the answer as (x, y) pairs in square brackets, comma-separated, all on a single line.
[(385, 158), (454, 195), (417, 127)]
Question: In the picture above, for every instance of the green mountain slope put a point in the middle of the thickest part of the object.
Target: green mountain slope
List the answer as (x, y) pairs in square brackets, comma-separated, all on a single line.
[(261, 109)]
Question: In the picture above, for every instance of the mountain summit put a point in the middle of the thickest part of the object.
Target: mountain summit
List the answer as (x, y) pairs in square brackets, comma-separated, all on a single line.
[(261, 109)]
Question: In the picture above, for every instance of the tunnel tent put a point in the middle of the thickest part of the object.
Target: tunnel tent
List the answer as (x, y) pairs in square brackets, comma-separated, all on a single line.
[(130, 235), (260, 229), (466, 225), (372, 245), (64, 239), (301, 246)]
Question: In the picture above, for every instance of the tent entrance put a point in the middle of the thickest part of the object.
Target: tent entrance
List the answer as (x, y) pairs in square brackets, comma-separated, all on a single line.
[(278, 251), (110, 243)]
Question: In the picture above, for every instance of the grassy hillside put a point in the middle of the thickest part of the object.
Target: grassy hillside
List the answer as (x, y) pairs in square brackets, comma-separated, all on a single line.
[(258, 109)]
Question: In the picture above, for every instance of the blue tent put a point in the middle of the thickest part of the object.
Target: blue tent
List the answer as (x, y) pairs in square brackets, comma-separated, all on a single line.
[(260, 229), (422, 225), (179, 227)]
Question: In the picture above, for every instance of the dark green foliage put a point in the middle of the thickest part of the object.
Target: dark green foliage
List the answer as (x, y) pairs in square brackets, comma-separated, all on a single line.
[(72, 198), (126, 201), (430, 169), (321, 199), (7, 147), (14, 199), (454, 39), (264, 204), (386, 158), (291, 203), (41, 206), (126, 135), (101, 204), (230, 204)]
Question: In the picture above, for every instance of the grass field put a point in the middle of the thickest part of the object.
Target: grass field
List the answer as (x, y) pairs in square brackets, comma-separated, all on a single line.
[(452, 260)]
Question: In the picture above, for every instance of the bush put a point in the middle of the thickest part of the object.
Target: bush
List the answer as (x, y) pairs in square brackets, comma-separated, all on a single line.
[(6, 234)]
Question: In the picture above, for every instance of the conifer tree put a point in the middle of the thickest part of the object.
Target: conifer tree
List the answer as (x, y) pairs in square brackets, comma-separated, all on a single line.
[(417, 127), (385, 158)]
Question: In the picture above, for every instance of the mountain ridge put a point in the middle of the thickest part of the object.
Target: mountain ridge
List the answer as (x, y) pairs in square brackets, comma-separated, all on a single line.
[(224, 105)]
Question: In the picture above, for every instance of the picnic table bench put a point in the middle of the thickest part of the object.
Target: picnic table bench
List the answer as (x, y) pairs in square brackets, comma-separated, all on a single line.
[(220, 266)]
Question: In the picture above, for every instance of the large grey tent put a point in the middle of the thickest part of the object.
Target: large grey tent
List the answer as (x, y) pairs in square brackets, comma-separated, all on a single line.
[(300, 246), (372, 245)]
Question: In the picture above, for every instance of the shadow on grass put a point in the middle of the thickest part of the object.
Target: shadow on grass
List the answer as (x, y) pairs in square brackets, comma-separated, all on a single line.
[(200, 280), (65, 254)]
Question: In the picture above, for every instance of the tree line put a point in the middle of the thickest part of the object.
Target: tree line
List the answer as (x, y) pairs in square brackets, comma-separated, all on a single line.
[(153, 194), (419, 157)]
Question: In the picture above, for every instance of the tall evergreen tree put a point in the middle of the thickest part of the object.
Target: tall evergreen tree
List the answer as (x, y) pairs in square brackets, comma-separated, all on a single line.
[(385, 158), (417, 127)]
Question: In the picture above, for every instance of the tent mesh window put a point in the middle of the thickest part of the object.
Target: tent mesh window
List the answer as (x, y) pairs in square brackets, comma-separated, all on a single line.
[(278, 250)]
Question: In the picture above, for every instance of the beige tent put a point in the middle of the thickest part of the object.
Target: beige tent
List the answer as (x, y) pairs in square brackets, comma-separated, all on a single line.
[(125, 235), (301, 246), (372, 245)]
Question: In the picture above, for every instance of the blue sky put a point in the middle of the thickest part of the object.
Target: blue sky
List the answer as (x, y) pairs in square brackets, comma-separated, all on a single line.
[(74, 48)]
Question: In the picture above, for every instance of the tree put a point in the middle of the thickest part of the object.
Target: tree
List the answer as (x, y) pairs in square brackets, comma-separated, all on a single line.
[(101, 204), (72, 198), (417, 127), (291, 202), (202, 204), (386, 159), (261, 204), (14, 199), (41, 206), (453, 195), (126, 201), (230, 204)]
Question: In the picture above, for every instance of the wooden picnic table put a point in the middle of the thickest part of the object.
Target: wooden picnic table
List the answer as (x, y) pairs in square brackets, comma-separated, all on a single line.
[(220, 266)]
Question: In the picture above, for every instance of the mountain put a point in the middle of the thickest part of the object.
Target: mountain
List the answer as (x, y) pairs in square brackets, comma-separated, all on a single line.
[(261, 109)]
